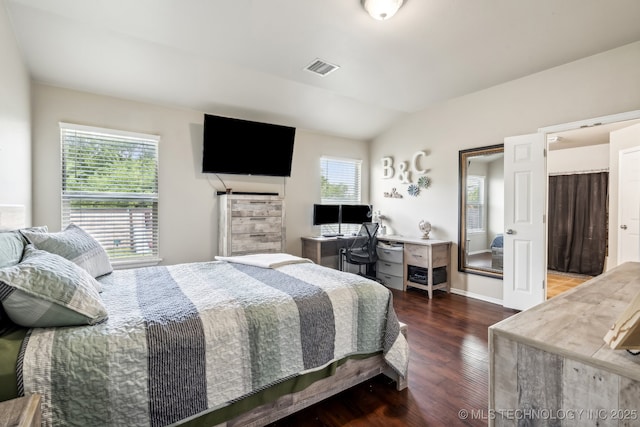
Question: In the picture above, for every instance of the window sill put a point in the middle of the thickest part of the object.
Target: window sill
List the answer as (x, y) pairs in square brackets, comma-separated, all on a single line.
[(137, 263)]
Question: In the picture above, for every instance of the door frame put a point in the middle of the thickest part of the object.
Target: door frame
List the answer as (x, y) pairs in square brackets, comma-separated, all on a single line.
[(621, 153), (547, 130)]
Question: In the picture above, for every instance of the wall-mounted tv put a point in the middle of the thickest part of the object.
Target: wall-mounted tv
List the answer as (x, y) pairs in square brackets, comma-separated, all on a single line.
[(243, 147)]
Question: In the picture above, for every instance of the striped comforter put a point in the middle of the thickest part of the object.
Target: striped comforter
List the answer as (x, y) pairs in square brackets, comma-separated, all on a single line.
[(188, 338)]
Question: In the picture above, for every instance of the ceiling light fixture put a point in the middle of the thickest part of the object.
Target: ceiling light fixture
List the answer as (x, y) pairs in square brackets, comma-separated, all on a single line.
[(381, 9)]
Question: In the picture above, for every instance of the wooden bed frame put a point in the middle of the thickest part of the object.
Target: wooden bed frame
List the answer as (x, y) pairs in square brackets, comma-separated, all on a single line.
[(351, 373)]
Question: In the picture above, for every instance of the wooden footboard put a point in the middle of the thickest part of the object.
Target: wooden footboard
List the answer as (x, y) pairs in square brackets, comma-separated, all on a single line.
[(351, 373)]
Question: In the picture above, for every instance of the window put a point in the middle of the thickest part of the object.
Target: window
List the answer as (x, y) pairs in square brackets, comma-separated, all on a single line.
[(475, 204), (110, 189), (340, 183)]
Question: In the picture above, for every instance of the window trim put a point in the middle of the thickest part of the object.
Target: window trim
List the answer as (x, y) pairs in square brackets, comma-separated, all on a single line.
[(344, 228), (143, 139), (482, 204)]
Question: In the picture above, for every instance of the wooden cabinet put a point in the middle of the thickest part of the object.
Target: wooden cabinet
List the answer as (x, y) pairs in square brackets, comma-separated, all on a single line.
[(250, 224), (21, 412), (431, 257)]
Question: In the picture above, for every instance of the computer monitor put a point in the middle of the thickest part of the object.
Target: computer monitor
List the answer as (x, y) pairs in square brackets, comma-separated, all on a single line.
[(326, 214), (355, 214)]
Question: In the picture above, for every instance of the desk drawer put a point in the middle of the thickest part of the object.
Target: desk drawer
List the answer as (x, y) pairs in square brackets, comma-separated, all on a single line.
[(417, 255), (392, 268), (391, 281), (390, 253)]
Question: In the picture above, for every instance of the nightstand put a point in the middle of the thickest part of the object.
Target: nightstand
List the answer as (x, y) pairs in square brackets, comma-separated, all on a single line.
[(21, 412)]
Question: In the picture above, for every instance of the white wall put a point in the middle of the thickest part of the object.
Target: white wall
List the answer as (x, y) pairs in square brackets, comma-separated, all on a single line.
[(580, 159), (603, 84), (188, 206), (15, 122)]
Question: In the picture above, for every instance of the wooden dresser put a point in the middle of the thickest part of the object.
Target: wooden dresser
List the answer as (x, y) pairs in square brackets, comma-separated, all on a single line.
[(250, 223), (550, 365)]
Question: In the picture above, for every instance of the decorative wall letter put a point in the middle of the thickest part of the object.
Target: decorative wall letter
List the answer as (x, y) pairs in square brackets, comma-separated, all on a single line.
[(414, 161), (404, 174), (387, 167)]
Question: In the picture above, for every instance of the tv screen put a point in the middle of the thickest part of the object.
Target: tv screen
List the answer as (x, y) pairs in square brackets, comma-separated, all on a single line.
[(355, 214), (326, 214), (242, 147)]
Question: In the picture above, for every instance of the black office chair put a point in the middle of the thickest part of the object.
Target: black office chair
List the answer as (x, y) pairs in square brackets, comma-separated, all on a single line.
[(362, 251)]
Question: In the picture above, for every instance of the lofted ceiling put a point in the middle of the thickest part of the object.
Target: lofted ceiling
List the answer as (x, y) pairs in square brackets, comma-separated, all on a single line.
[(246, 58)]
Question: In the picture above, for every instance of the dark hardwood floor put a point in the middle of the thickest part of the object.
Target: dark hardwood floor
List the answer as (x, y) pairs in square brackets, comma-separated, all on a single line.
[(448, 369)]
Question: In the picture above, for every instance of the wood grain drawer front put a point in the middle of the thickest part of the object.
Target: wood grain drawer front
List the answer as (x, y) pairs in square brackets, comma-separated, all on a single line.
[(390, 254), (440, 255), (258, 224), (392, 268), (249, 208), (417, 255), (256, 242)]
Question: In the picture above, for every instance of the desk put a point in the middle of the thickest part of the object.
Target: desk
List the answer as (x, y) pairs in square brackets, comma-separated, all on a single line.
[(417, 252), (324, 250)]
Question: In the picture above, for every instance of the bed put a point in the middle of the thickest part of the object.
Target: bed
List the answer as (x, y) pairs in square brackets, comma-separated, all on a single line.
[(244, 340)]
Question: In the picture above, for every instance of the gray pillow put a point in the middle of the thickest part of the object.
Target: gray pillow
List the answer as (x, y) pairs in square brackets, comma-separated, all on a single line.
[(12, 244), (74, 244), (46, 290), (11, 247)]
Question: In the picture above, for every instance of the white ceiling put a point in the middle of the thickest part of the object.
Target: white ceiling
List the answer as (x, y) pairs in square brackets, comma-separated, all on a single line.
[(246, 58)]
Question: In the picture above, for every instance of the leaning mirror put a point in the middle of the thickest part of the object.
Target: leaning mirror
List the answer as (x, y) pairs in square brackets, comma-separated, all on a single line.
[(481, 217)]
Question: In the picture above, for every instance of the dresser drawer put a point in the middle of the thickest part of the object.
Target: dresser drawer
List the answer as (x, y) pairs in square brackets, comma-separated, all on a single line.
[(390, 253), (417, 255), (256, 224), (256, 242), (391, 281), (392, 268), (250, 208)]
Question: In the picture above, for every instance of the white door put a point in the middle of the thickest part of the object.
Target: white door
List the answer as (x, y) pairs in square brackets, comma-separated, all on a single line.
[(629, 205), (525, 197)]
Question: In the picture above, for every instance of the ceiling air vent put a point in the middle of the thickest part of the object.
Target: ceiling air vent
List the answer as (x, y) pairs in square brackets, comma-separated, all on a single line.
[(318, 66)]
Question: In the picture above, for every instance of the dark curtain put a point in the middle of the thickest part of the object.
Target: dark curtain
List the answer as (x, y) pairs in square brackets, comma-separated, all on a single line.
[(577, 241)]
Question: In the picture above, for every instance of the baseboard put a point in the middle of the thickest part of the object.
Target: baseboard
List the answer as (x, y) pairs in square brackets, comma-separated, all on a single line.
[(476, 296)]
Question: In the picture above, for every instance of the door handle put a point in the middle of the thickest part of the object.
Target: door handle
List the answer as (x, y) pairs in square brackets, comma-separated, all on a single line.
[(624, 227), (510, 231)]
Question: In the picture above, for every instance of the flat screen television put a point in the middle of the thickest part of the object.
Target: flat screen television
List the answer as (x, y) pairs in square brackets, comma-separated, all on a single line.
[(355, 214), (326, 214), (243, 147)]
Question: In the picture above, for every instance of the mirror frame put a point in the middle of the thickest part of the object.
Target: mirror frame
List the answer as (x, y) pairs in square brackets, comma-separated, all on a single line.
[(463, 160)]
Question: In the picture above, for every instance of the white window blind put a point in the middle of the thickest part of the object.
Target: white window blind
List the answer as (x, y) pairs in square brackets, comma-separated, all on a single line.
[(475, 204), (340, 183), (110, 189)]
